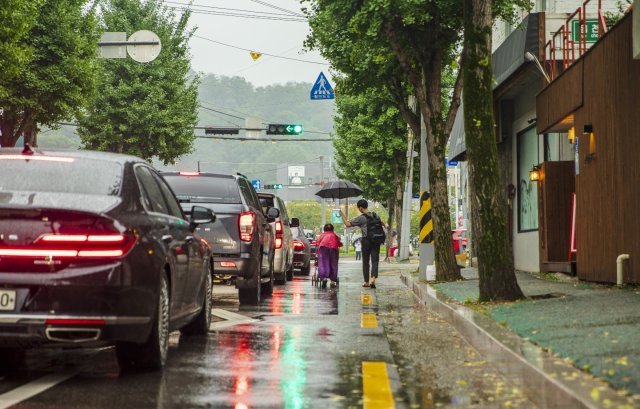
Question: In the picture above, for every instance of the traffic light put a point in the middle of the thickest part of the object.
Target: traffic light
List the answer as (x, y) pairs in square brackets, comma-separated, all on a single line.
[(284, 129), (273, 187)]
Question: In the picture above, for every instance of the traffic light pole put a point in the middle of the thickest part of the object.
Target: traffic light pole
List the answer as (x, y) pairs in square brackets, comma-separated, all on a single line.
[(322, 202)]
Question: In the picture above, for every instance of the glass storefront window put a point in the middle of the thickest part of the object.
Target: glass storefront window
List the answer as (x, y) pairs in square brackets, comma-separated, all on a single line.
[(527, 190)]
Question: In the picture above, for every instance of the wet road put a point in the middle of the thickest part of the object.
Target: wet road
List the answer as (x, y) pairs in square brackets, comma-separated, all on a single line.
[(303, 347)]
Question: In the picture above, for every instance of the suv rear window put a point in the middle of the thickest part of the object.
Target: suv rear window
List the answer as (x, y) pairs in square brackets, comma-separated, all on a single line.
[(204, 189), (94, 176), (266, 202)]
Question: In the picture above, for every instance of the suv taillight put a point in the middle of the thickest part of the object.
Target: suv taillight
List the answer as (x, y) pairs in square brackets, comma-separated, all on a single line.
[(278, 235), (298, 245), (246, 223)]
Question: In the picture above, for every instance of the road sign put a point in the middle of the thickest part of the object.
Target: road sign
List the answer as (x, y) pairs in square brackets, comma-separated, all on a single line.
[(144, 46), (222, 131), (114, 45), (257, 184), (590, 30), (335, 217), (322, 89)]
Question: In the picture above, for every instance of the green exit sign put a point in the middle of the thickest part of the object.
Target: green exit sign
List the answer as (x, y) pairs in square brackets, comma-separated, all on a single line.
[(590, 30)]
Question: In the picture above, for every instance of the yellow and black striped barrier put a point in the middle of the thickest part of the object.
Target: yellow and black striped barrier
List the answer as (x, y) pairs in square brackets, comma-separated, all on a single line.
[(426, 224)]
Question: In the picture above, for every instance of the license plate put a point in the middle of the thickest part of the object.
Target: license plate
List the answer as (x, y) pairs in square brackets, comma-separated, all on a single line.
[(7, 300)]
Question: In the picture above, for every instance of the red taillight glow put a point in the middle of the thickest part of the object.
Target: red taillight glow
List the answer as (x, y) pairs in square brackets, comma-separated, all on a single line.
[(74, 246), (245, 226), (278, 242), (278, 235), (298, 245), (189, 173), (72, 321), (37, 158), (227, 264), (278, 227)]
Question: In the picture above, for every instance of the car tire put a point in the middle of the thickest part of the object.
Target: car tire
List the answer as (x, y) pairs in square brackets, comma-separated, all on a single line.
[(11, 359), (306, 270), (267, 288), (151, 355), (289, 272), (251, 296), (201, 323)]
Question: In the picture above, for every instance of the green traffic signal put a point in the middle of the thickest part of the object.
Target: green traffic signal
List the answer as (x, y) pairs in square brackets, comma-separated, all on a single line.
[(284, 129)]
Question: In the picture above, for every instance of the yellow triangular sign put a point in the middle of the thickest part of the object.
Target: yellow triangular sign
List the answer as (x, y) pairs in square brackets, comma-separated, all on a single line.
[(255, 55)]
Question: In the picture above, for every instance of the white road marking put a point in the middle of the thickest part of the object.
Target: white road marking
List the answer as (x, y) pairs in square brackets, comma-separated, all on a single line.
[(231, 318), (31, 389)]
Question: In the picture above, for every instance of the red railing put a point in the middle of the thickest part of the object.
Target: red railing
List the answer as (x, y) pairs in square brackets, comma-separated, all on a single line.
[(562, 47)]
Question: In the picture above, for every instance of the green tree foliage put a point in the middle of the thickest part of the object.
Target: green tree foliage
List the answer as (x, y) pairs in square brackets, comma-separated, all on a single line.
[(148, 109), (370, 143), (18, 18), (56, 66)]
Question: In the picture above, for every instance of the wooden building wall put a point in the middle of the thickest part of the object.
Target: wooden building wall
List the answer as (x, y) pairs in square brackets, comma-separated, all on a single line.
[(608, 187)]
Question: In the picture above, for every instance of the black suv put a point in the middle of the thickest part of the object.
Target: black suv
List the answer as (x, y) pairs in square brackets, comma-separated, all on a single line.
[(241, 238)]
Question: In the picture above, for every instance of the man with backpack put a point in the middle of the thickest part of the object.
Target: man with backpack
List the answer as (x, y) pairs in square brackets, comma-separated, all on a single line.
[(372, 238)]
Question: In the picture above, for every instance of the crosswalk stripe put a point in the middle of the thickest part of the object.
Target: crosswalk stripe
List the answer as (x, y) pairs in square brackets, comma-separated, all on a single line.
[(31, 389), (376, 389)]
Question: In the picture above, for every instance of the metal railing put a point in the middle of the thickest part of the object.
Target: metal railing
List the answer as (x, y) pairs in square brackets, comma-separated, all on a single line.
[(562, 50)]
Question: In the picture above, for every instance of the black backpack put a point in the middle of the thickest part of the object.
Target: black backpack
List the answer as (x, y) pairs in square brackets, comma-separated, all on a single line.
[(375, 232)]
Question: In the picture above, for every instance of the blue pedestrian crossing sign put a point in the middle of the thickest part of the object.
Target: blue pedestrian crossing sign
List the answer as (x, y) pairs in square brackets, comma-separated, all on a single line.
[(322, 89), (257, 184)]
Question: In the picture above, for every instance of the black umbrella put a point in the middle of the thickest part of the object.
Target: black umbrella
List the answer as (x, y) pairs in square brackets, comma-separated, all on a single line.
[(339, 190)]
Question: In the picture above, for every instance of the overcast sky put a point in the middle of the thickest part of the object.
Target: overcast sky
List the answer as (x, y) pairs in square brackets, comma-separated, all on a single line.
[(276, 37)]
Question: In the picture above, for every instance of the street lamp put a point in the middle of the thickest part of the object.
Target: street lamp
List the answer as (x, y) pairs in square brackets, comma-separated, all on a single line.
[(530, 57)]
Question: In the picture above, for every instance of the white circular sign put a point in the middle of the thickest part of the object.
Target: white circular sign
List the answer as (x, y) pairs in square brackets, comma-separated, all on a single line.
[(144, 46)]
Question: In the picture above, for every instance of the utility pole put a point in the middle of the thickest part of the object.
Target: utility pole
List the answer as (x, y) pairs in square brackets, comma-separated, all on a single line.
[(427, 249), (405, 229), (322, 203)]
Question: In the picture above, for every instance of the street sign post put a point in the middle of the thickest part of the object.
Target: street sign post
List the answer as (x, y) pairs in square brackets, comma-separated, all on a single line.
[(257, 184), (142, 46), (335, 217), (322, 89)]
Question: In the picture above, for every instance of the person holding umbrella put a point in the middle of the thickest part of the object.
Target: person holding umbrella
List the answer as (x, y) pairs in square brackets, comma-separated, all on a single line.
[(372, 238)]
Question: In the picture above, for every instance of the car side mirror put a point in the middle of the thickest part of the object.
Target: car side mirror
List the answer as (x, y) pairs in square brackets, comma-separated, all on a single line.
[(201, 215), (272, 214), (295, 222)]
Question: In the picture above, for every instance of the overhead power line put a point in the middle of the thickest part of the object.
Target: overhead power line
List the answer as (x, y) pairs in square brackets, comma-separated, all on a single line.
[(220, 112), (264, 3), (226, 9), (241, 15), (263, 53)]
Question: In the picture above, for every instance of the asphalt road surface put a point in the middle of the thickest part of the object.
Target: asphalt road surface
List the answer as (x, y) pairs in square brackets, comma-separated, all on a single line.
[(304, 347)]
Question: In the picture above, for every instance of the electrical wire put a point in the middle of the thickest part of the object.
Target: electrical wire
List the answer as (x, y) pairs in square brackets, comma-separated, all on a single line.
[(284, 167), (220, 112), (267, 54), (227, 14), (226, 9), (264, 3)]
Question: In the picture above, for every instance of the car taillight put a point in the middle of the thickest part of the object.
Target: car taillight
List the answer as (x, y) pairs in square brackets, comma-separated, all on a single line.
[(246, 223), (298, 245), (278, 235), (74, 246), (189, 173)]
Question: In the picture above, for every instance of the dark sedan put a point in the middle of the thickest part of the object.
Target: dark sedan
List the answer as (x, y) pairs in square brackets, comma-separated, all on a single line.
[(301, 248), (94, 250)]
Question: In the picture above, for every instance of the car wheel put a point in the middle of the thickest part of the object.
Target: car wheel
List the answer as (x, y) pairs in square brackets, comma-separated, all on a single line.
[(11, 359), (251, 296), (289, 272), (153, 353), (200, 325), (306, 270), (267, 288)]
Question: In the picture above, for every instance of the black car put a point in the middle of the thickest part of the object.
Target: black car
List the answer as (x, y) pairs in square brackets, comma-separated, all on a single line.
[(242, 240), (301, 248), (94, 250)]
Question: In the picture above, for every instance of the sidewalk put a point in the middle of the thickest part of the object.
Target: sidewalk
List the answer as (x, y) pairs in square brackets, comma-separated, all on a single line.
[(592, 327)]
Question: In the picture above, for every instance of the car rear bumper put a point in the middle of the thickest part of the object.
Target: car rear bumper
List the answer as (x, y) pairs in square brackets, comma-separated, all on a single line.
[(105, 303), (300, 260)]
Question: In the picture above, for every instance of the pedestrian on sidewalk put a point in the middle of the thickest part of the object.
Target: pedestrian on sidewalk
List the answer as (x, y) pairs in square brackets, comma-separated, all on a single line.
[(372, 237), (328, 251), (358, 247)]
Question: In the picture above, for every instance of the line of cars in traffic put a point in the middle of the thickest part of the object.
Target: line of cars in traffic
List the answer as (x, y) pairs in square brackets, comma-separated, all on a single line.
[(99, 248)]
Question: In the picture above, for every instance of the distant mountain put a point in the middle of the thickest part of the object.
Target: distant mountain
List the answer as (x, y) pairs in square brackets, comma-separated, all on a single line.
[(238, 99)]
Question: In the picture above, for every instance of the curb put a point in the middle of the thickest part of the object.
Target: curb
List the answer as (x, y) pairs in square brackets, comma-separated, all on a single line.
[(548, 381)]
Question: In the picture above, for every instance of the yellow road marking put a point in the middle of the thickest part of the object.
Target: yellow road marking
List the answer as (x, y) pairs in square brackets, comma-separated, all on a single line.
[(368, 320), (366, 299), (375, 386)]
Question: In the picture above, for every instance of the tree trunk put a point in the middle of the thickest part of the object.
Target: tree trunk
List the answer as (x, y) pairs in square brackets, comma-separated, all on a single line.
[(12, 126), (31, 134), (495, 263), (392, 209)]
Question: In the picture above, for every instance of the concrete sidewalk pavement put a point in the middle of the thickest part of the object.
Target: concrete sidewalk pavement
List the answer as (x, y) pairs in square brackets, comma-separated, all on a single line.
[(565, 324)]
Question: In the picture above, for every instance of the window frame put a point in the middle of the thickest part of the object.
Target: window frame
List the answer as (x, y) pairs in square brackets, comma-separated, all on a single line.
[(518, 175)]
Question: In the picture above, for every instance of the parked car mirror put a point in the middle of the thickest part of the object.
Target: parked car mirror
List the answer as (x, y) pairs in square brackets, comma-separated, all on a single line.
[(201, 215), (272, 214), (295, 222)]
